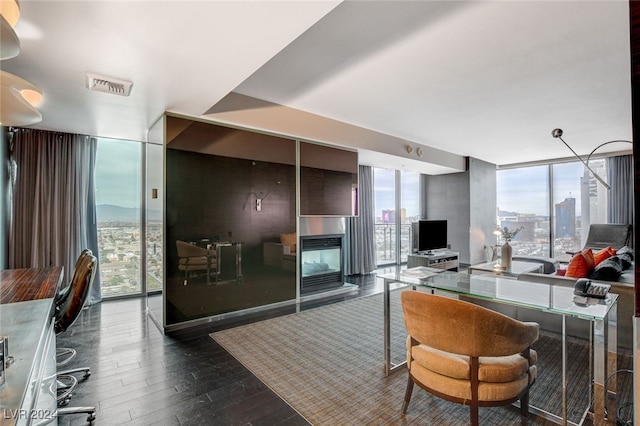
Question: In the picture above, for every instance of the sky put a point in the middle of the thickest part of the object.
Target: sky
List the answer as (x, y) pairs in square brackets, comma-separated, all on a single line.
[(385, 191), (524, 190), (118, 172)]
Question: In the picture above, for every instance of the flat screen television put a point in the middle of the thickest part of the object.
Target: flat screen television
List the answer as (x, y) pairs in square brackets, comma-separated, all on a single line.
[(429, 235)]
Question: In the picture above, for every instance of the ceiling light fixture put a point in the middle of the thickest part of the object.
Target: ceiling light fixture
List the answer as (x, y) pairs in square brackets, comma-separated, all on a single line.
[(557, 133), (9, 42), (101, 83), (18, 99)]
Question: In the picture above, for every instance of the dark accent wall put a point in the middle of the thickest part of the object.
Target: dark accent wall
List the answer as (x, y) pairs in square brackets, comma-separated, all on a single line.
[(210, 196), (326, 192)]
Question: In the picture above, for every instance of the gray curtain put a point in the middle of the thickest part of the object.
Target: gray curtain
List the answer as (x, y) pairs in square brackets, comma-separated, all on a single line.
[(53, 205), (621, 196), (360, 231)]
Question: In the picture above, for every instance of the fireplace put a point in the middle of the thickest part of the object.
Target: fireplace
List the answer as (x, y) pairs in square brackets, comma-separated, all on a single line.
[(321, 262)]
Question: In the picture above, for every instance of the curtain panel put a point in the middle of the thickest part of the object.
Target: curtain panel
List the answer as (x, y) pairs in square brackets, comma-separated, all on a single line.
[(53, 204), (621, 195), (360, 230)]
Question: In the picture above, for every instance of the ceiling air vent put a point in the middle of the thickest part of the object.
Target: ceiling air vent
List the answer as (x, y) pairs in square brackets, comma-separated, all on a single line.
[(101, 83)]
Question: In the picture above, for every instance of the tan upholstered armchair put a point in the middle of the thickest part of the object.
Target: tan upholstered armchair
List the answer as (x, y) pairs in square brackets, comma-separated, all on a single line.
[(194, 258), (467, 354), (281, 254)]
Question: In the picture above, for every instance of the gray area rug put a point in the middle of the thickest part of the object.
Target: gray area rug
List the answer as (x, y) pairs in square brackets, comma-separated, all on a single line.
[(328, 364)]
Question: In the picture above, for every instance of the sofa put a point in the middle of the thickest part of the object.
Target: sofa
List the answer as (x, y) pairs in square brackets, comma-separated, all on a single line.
[(621, 283), (282, 254)]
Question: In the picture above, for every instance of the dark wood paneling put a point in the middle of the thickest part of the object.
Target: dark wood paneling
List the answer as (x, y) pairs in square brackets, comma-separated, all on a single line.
[(212, 197), (19, 285)]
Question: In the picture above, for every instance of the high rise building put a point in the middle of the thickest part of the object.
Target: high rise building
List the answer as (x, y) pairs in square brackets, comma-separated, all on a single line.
[(566, 218)]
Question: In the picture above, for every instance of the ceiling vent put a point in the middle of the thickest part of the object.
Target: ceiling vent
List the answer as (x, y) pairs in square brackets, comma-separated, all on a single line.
[(101, 83)]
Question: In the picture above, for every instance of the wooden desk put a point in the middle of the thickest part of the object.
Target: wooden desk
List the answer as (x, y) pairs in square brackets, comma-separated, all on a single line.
[(22, 285), (26, 316)]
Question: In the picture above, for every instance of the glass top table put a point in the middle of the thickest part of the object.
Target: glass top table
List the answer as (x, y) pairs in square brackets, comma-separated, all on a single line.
[(553, 299), (517, 268)]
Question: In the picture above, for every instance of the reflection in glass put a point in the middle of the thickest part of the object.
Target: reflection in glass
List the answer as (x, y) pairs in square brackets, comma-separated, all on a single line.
[(214, 177)]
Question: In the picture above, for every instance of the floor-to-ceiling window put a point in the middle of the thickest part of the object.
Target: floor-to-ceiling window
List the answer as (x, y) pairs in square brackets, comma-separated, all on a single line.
[(118, 189), (552, 204), (523, 202), (384, 188), (397, 204), (410, 209)]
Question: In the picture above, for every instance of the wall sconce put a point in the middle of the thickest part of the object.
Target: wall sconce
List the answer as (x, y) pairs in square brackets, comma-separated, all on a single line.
[(259, 197)]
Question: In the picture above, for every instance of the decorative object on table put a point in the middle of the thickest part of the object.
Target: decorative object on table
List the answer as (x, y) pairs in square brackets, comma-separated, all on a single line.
[(496, 248), (507, 250)]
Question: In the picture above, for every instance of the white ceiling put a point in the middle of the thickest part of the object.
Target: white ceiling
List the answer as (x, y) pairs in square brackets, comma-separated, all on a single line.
[(483, 79)]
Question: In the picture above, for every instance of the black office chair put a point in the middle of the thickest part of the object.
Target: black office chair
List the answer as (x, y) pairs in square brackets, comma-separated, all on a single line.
[(66, 314), (64, 355)]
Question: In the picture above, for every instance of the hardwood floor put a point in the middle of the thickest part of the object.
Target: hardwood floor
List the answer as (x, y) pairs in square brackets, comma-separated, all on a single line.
[(142, 377)]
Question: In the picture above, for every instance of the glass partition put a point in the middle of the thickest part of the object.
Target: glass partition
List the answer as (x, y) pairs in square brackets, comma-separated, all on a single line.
[(230, 216)]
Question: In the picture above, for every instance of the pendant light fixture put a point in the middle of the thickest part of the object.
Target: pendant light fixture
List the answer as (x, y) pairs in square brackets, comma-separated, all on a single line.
[(18, 97), (9, 15), (557, 133)]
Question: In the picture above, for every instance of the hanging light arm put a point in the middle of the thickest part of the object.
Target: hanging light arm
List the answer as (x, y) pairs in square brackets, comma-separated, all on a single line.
[(557, 133)]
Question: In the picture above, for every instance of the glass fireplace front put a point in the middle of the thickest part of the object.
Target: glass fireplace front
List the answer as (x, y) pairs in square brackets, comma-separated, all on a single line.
[(321, 262)]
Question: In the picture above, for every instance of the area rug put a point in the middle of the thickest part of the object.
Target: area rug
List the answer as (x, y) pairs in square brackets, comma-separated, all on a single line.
[(328, 364)]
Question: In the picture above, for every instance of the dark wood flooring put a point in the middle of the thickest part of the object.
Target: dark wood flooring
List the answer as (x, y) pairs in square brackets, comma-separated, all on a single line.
[(142, 377)]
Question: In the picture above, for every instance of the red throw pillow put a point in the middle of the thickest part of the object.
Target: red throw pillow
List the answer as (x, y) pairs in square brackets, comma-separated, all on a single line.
[(578, 267), (603, 254)]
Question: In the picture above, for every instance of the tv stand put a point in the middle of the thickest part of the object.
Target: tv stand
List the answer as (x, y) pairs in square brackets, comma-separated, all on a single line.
[(444, 259)]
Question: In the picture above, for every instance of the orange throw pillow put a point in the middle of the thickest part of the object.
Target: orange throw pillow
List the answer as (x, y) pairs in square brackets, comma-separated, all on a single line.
[(603, 254), (578, 267), (290, 240), (589, 258)]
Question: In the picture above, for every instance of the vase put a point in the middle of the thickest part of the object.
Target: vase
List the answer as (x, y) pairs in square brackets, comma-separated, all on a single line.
[(507, 252)]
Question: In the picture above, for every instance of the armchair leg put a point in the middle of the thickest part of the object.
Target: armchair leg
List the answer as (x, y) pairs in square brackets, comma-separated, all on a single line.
[(475, 421), (407, 395), (524, 404)]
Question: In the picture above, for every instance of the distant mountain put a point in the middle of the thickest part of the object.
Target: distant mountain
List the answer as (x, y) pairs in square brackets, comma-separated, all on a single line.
[(503, 213), (111, 213)]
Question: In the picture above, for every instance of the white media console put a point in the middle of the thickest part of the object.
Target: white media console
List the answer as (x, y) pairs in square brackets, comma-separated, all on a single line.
[(443, 259)]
